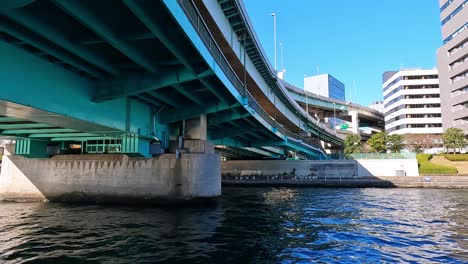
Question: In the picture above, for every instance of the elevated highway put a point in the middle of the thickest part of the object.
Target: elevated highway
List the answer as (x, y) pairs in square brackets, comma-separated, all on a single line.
[(139, 82), (137, 94)]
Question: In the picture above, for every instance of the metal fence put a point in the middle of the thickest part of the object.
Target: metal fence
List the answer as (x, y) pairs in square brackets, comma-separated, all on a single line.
[(404, 155)]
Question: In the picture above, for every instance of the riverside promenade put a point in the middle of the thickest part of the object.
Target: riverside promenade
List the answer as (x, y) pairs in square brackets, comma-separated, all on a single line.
[(432, 181)]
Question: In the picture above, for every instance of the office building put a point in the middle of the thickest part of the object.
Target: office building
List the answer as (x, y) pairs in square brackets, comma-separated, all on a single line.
[(325, 85), (453, 63), (412, 102), (377, 106)]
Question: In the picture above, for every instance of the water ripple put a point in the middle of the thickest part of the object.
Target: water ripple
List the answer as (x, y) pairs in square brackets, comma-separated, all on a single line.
[(263, 225)]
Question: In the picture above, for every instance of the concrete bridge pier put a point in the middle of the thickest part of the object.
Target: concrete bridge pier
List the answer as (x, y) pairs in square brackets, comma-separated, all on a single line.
[(116, 178), (355, 121)]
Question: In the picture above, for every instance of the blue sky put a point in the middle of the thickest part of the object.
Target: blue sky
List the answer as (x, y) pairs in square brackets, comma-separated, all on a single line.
[(353, 40)]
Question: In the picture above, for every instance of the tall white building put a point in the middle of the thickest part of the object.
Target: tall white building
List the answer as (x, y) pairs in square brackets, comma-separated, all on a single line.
[(325, 85), (412, 102)]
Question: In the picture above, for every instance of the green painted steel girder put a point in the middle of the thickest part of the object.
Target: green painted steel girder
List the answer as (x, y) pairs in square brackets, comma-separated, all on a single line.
[(19, 126), (31, 148), (263, 152), (36, 25), (92, 22), (5, 119), (298, 146), (123, 36), (13, 4), (170, 116), (147, 100), (42, 45), (57, 135), (187, 94), (269, 143), (171, 42), (77, 139), (213, 90), (226, 116), (37, 131), (163, 98), (226, 133), (230, 142), (274, 150), (135, 84)]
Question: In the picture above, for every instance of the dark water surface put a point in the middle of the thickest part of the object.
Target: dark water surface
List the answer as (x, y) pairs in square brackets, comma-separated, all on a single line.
[(254, 225)]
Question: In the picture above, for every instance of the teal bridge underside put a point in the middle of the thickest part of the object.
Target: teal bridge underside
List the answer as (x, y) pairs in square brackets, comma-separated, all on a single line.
[(115, 76)]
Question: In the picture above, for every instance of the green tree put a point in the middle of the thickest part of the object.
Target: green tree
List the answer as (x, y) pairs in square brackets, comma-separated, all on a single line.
[(454, 138), (395, 143), (378, 142), (352, 144)]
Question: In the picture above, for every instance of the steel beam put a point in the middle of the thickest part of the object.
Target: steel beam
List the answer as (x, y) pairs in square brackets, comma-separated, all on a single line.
[(58, 135), (5, 119), (263, 152), (226, 116), (213, 90), (149, 101), (135, 84), (274, 150), (19, 126), (37, 131), (148, 19), (165, 99), (92, 22), (187, 94), (40, 44), (230, 142), (59, 39), (227, 133), (193, 111), (126, 37), (81, 138)]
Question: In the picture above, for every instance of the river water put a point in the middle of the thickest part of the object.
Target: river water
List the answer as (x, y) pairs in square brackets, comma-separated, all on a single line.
[(250, 225)]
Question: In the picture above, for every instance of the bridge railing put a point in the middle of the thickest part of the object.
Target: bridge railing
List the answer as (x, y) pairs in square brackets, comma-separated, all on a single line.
[(206, 36)]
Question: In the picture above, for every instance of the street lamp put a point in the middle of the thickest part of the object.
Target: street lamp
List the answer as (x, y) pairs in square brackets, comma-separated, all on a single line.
[(307, 96), (274, 33), (334, 117)]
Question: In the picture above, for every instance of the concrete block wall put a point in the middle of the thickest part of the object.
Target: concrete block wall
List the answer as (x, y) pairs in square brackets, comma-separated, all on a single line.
[(290, 169), (387, 167)]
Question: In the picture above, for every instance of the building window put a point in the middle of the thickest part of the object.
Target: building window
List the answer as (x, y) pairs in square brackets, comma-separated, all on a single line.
[(451, 15)]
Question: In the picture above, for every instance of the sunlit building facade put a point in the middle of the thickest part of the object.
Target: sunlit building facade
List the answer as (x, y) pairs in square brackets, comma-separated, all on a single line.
[(412, 102), (453, 63)]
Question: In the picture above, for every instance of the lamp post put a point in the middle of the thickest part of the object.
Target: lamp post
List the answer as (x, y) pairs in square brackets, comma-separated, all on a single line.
[(274, 34), (307, 96), (334, 117)]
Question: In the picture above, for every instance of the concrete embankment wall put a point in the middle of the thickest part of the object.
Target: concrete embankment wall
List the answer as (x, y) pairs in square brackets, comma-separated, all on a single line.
[(300, 169), (111, 178), (361, 182)]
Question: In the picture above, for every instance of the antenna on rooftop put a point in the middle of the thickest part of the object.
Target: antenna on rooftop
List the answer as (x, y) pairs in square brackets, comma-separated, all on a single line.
[(354, 89)]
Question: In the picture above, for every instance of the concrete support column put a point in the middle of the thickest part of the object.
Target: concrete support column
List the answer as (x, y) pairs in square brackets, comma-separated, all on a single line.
[(203, 127), (113, 178), (354, 121), (196, 128)]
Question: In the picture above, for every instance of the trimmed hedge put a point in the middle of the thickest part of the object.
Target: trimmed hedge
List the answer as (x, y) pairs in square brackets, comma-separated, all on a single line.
[(423, 158), (456, 157), (427, 167)]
